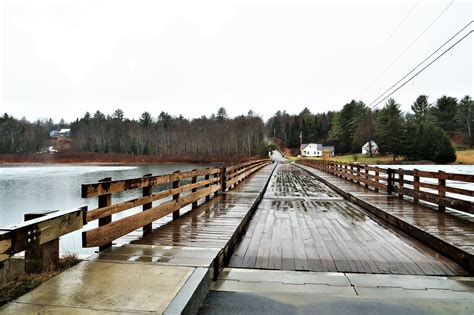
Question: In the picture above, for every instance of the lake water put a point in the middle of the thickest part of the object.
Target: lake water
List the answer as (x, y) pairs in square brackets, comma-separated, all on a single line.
[(33, 188)]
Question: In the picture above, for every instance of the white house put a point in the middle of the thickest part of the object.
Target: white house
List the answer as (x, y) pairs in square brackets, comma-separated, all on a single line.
[(316, 149), (65, 132), (366, 148)]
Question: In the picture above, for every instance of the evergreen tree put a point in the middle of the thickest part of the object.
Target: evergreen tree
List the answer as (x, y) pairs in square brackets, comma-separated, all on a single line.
[(466, 116), (445, 112), (389, 128)]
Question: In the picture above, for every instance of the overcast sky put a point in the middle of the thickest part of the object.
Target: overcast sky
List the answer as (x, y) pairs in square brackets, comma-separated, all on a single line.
[(63, 58)]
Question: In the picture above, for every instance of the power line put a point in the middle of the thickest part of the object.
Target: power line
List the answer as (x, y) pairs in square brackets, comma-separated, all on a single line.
[(416, 74), (400, 24), (412, 43), (424, 60)]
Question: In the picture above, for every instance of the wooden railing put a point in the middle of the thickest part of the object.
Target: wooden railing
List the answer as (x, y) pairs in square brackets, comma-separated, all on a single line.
[(431, 187), (39, 237), (186, 188)]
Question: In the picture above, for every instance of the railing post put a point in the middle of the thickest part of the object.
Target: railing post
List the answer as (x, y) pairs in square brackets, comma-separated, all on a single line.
[(176, 197), (390, 178), (104, 201), (193, 181), (216, 175), (366, 171), (208, 197), (400, 183), (147, 192), (416, 185), (358, 174), (377, 175), (441, 191), (43, 257), (223, 180)]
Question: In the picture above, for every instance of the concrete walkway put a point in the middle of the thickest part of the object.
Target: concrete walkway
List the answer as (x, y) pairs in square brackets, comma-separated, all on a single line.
[(97, 287), (249, 291)]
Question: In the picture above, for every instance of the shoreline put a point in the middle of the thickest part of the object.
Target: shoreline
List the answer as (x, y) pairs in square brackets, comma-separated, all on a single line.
[(113, 159)]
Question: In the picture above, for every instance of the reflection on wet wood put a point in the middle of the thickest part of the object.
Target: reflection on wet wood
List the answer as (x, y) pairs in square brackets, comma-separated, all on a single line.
[(297, 228), (449, 232), (212, 224)]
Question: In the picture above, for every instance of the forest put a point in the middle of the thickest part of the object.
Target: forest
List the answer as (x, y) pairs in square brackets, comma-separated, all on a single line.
[(424, 133), (164, 135)]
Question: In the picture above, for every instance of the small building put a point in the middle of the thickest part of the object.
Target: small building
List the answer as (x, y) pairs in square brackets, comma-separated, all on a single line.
[(311, 149), (370, 146), (328, 151), (316, 150), (65, 132), (54, 133)]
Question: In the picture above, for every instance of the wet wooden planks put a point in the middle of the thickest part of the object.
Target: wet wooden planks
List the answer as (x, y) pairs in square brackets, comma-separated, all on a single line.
[(293, 182), (214, 223), (449, 232), (291, 233)]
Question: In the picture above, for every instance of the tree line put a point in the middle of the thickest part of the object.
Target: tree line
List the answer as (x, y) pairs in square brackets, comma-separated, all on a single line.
[(164, 135), (421, 133)]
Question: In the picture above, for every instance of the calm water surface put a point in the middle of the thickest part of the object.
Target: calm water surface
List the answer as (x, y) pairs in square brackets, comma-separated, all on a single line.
[(32, 188)]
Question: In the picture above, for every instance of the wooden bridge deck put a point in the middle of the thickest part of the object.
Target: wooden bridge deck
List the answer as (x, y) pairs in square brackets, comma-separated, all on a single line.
[(302, 224), (199, 236), (449, 231)]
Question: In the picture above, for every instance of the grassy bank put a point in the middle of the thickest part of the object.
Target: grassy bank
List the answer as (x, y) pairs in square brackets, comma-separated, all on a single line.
[(463, 157), (26, 282)]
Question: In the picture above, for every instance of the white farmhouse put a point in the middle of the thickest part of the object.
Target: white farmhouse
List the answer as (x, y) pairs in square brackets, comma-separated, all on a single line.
[(370, 145), (316, 149)]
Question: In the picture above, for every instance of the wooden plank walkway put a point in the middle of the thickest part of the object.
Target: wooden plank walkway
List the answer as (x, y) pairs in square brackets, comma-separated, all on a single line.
[(202, 237), (302, 224), (449, 232)]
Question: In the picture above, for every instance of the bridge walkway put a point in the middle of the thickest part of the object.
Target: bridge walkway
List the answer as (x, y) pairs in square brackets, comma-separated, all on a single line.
[(302, 224), (167, 271), (449, 232)]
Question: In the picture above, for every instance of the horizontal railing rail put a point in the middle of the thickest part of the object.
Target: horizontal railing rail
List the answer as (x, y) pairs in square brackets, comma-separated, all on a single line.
[(39, 236), (203, 184), (430, 187)]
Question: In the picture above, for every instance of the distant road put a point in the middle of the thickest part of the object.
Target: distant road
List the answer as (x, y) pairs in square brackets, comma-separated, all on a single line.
[(278, 157)]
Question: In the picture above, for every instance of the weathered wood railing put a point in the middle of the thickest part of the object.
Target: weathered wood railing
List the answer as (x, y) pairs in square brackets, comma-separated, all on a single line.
[(186, 188), (39, 237), (430, 187)]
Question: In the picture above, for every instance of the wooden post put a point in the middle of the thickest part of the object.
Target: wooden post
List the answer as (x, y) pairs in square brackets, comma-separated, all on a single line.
[(216, 175), (193, 181), (366, 176), (208, 197), (416, 185), (223, 180), (176, 197), (358, 173), (441, 191), (377, 174), (390, 179), (104, 201), (43, 257), (147, 192), (400, 183)]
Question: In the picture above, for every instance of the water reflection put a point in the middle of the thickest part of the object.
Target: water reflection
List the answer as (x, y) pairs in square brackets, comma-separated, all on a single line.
[(32, 188)]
